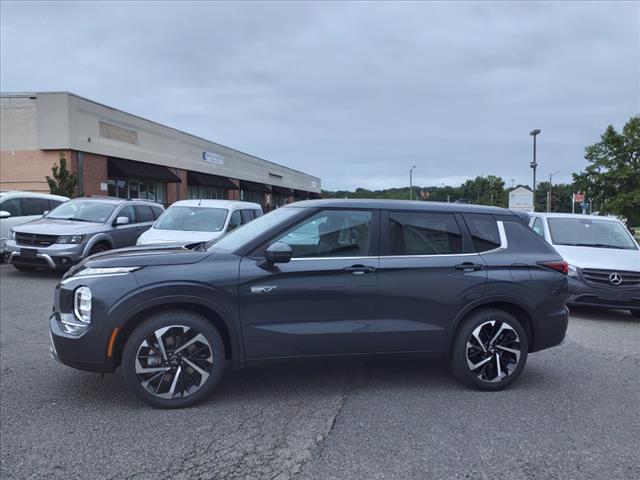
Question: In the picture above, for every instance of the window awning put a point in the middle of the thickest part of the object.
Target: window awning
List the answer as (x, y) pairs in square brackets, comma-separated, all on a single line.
[(254, 187), (301, 194), (314, 195), (282, 190), (121, 168), (207, 180)]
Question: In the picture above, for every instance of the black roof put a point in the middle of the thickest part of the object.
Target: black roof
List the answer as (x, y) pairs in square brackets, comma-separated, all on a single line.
[(402, 205)]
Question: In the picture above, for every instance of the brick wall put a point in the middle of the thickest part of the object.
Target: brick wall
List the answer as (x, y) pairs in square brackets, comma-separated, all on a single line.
[(27, 169), (178, 191), (94, 173), (234, 194)]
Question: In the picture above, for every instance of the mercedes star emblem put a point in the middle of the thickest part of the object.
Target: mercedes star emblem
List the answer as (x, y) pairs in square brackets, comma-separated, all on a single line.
[(615, 278)]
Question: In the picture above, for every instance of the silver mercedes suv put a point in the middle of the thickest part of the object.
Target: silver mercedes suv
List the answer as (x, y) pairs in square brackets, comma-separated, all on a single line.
[(77, 229)]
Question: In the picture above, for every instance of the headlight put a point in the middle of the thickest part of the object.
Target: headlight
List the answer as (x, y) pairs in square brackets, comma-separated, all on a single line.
[(105, 271), (71, 238), (11, 235), (82, 304), (573, 272), (78, 323)]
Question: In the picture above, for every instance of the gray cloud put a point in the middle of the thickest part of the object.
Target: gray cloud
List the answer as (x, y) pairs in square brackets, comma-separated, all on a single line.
[(355, 93)]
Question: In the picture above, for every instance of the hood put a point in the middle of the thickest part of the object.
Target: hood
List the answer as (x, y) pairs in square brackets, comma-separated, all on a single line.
[(144, 256), (153, 236), (602, 258), (48, 226)]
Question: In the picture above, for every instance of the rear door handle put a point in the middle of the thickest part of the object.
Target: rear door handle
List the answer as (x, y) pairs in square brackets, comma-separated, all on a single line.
[(358, 269), (468, 266)]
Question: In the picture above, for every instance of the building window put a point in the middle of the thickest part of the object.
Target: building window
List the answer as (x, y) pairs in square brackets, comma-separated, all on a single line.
[(123, 188), (255, 197), (208, 193)]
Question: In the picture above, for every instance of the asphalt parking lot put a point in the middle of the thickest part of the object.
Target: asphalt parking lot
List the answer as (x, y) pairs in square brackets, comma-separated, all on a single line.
[(573, 414)]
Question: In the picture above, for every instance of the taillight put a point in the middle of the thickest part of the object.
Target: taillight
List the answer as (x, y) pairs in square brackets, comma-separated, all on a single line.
[(562, 267)]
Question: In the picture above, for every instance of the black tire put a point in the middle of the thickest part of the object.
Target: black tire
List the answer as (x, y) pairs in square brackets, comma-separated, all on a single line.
[(24, 268), (99, 247), (196, 325), (635, 313), (487, 376)]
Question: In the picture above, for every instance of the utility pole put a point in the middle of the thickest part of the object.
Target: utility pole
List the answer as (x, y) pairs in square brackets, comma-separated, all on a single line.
[(411, 182), (534, 164)]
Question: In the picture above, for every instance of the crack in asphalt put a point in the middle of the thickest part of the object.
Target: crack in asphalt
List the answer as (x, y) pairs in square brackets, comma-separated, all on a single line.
[(257, 452)]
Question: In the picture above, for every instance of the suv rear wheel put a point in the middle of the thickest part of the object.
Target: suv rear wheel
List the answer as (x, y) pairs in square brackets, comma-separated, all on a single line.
[(173, 359), (490, 350)]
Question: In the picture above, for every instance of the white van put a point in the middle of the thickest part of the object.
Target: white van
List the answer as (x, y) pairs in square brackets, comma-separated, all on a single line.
[(603, 258), (21, 207), (189, 221)]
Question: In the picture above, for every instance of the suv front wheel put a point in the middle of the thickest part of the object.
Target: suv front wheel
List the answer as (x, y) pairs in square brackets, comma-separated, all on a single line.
[(490, 350), (173, 359)]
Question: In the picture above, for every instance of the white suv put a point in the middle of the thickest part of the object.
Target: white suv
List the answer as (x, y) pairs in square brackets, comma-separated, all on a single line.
[(603, 258), (21, 207), (191, 221)]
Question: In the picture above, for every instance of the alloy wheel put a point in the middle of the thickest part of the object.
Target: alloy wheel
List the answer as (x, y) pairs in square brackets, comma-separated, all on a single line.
[(493, 351), (174, 362)]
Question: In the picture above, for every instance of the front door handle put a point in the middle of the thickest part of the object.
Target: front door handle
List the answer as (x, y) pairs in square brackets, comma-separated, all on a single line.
[(358, 269), (470, 267)]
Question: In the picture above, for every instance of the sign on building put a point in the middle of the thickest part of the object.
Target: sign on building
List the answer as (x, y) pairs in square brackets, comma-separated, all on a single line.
[(521, 199), (213, 158)]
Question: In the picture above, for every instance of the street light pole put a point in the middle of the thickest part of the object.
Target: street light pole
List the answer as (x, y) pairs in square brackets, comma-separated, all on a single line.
[(549, 192), (411, 182), (534, 164)]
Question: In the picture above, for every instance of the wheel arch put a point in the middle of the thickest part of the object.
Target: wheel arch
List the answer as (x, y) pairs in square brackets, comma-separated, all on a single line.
[(507, 304), (209, 310), (98, 238)]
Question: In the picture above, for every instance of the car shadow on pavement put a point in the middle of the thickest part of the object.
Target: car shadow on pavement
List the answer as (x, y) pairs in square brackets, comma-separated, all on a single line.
[(301, 380)]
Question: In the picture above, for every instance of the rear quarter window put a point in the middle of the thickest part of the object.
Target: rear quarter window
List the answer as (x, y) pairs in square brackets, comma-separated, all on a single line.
[(144, 213), (523, 238), (484, 231)]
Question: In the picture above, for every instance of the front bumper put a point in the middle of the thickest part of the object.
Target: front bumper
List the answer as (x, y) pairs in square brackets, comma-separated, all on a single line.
[(582, 294), (56, 256), (77, 351)]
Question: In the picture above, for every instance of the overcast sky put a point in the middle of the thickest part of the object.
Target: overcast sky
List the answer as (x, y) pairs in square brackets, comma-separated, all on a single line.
[(355, 93)]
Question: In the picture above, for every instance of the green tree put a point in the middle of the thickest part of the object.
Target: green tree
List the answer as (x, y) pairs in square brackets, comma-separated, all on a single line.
[(560, 197), (611, 181), (63, 182)]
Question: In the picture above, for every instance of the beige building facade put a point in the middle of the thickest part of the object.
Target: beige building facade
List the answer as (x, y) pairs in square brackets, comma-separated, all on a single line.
[(118, 154)]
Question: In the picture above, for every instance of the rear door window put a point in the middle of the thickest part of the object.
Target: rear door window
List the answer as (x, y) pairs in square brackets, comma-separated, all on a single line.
[(34, 206), (247, 216), (423, 233), (157, 211), (484, 231), (143, 213)]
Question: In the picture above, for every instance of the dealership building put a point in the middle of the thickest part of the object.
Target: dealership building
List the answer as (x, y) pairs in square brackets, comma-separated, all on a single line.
[(118, 154)]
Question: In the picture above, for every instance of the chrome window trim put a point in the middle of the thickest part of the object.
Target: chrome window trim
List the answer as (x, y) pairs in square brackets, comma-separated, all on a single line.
[(504, 244)]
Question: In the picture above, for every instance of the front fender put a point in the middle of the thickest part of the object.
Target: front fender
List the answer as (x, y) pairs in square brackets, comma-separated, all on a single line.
[(99, 237), (191, 293)]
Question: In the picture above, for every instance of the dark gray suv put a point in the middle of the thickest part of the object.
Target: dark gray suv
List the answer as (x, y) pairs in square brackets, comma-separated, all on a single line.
[(318, 278), (79, 228)]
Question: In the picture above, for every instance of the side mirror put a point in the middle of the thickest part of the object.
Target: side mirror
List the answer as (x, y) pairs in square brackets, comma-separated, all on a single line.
[(121, 221), (278, 252), (4, 214)]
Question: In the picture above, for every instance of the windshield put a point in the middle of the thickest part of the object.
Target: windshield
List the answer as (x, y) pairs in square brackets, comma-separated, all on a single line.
[(193, 219), (238, 237), (590, 232), (83, 211)]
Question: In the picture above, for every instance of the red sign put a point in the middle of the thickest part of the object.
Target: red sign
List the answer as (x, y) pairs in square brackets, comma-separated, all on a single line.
[(578, 197)]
